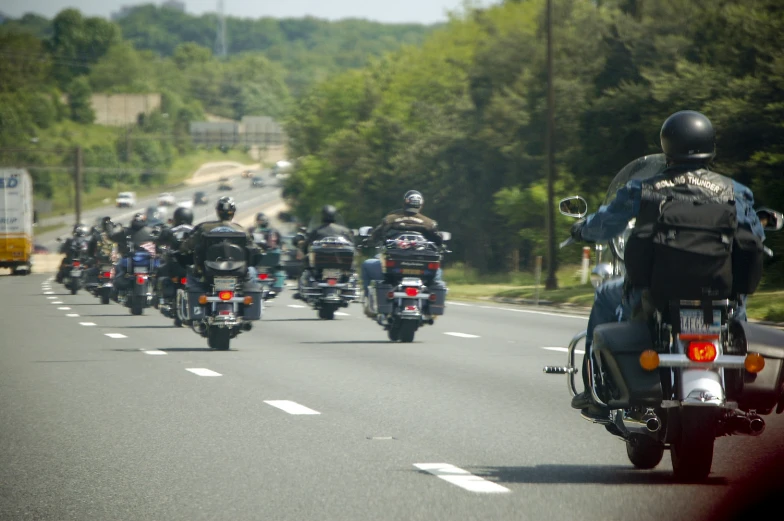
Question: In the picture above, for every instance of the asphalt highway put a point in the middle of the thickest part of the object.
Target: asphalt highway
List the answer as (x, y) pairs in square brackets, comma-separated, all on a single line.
[(109, 416)]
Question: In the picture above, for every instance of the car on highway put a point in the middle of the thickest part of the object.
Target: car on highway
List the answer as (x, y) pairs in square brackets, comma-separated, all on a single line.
[(166, 199), (292, 259), (224, 184), (282, 169), (126, 199), (257, 182), (199, 198)]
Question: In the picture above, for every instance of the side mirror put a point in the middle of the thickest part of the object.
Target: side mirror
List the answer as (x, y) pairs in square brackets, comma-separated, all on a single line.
[(574, 206), (771, 220), (445, 235), (365, 231)]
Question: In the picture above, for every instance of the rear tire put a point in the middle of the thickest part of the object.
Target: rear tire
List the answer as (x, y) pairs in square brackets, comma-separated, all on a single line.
[(644, 452), (104, 296), (692, 450), (137, 307), (326, 313), (219, 338), (407, 330), (74, 289), (177, 322)]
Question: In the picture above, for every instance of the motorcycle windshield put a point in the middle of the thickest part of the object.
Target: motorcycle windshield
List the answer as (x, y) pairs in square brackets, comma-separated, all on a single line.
[(641, 168)]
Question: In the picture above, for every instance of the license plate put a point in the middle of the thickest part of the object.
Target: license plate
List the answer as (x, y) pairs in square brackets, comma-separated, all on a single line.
[(692, 321), (330, 274), (225, 283), (76, 273), (412, 272), (140, 269)]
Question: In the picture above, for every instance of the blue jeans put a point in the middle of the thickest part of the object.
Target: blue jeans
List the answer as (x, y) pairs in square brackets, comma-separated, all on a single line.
[(371, 270)]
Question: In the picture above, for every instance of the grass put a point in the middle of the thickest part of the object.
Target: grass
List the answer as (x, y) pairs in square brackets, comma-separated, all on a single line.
[(766, 305)]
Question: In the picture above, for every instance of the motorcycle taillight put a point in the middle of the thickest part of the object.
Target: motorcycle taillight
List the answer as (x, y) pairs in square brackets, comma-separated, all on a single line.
[(412, 292), (76, 264), (106, 274), (263, 276), (183, 280), (141, 279)]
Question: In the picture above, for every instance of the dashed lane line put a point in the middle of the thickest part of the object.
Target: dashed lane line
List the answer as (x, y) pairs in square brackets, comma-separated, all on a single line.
[(64, 308), (461, 335), (298, 306), (201, 371), (462, 478), (155, 352), (72, 314), (563, 350), (115, 335), (290, 407), (536, 312), (88, 324)]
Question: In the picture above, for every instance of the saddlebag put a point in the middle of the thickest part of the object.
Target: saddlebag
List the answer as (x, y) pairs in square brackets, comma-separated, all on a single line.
[(383, 304), (763, 391), (270, 259), (617, 347), (329, 257), (747, 258), (253, 312), (194, 310), (437, 306)]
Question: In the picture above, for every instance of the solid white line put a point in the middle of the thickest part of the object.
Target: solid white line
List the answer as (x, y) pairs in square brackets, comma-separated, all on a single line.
[(453, 303), (202, 372), (291, 407), (536, 312), (295, 306), (461, 335), (64, 308), (461, 478), (72, 314), (86, 323), (48, 292), (156, 352), (563, 350), (115, 335)]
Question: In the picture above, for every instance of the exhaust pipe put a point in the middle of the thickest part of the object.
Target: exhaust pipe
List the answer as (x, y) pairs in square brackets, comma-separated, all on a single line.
[(652, 422), (747, 425), (648, 424)]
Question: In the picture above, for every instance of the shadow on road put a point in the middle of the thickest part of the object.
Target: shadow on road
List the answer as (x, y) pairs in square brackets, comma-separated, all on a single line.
[(586, 474)]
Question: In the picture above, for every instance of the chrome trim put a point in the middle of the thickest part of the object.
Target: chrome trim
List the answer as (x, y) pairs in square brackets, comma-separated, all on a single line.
[(721, 361)]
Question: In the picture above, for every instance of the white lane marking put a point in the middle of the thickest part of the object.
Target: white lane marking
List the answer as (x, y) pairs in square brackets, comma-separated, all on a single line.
[(296, 306), (341, 314), (563, 350), (48, 292), (72, 314), (56, 302), (536, 312), (64, 308), (156, 352), (453, 303), (291, 407), (52, 298), (115, 335), (461, 478), (86, 323), (202, 371), (461, 335)]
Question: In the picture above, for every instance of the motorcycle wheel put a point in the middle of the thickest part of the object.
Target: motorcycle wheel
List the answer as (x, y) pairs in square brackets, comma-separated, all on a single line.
[(407, 330), (692, 451), (74, 289), (137, 306), (105, 296), (219, 338), (327, 313), (643, 451), (394, 332), (177, 322)]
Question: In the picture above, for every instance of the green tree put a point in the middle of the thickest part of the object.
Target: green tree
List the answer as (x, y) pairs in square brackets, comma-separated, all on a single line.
[(80, 100)]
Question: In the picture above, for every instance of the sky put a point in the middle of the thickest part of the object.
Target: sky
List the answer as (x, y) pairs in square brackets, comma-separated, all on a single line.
[(418, 11)]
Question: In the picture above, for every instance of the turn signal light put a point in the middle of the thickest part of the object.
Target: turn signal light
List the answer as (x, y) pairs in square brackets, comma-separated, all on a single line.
[(225, 295), (754, 363), (412, 292), (390, 295), (649, 360), (248, 301), (432, 297), (701, 351), (202, 299)]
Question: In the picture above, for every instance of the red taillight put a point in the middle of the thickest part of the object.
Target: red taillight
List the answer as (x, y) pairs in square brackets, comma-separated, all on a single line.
[(183, 280), (432, 297), (434, 265), (412, 292), (225, 295), (332, 282), (390, 264), (391, 295), (141, 279), (106, 274), (263, 276), (76, 264), (701, 351)]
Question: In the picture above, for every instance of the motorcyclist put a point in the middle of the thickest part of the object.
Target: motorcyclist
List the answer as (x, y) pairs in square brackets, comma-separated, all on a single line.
[(169, 242), (136, 237), (101, 247), (688, 142), (270, 243), (225, 209), (409, 218), (79, 234)]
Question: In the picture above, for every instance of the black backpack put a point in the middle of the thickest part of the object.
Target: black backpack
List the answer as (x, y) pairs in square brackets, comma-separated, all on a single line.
[(694, 251)]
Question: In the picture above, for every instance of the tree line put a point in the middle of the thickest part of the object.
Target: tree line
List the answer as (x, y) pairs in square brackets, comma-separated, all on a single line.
[(462, 117)]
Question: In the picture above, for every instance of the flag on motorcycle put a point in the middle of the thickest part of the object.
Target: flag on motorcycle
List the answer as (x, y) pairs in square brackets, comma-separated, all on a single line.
[(149, 247)]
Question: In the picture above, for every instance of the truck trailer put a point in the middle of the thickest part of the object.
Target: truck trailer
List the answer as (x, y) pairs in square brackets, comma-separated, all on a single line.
[(16, 220)]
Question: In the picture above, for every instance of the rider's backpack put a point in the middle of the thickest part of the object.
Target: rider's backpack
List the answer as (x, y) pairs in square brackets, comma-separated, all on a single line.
[(686, 254)]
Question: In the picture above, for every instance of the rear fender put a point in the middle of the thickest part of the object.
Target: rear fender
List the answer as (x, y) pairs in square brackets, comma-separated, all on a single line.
[(701, 387)]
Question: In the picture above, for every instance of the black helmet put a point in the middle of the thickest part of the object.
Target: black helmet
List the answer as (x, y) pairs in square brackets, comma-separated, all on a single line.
[(688, 136), (413, 201), (106, 224), (225, 208), (138, 222), (183, 215), (328, 214), (262, 219)]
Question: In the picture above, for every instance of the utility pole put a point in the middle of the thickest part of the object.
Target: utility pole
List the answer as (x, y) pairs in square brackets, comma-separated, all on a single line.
[(552, 281), (78, 183)]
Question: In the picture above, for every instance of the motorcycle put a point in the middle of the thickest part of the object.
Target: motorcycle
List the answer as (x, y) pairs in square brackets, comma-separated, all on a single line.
[(224, 304), (331, 281), (137, 293), (680, 379), (74, 272), (99, 282), (406, 298), (269, 272)]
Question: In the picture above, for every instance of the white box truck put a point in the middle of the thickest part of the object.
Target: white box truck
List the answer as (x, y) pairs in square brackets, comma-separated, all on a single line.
[(16, 220)]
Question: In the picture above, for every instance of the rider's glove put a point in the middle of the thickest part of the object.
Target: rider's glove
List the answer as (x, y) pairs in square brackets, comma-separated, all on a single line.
[(577, 230)]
